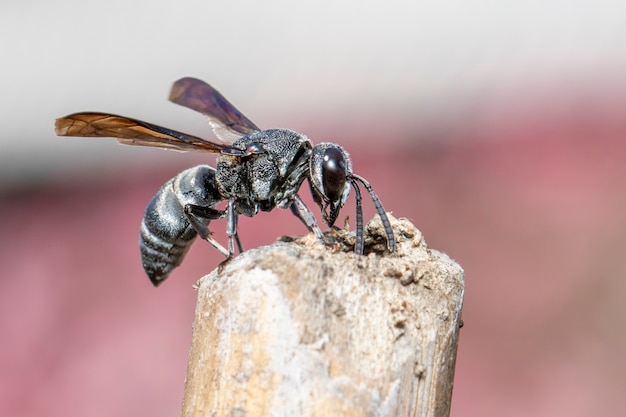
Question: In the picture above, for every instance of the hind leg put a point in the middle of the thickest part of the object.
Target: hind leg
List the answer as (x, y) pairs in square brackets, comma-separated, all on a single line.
[(199, 217)]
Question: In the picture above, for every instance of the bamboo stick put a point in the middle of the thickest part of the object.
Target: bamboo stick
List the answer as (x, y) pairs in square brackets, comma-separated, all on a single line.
[(300, 329)]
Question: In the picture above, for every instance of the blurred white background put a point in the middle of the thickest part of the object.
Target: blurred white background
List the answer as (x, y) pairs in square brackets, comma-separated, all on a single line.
[(278, 61)]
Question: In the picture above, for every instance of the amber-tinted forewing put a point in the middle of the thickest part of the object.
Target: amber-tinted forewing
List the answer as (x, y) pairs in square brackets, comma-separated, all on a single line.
[(201, 97), (133, 132)]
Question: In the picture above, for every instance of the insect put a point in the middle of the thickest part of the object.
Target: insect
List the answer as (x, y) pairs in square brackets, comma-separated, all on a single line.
[(256, 170)]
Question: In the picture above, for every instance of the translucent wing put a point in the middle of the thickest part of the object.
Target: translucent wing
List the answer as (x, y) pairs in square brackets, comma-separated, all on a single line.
[(227, 122), (135, 132)]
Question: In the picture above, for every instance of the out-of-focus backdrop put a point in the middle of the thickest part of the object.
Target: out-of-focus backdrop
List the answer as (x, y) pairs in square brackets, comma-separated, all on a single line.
[(499, 129)]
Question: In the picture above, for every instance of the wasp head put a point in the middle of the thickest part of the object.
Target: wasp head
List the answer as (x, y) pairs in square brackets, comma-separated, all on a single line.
[(330, 170)]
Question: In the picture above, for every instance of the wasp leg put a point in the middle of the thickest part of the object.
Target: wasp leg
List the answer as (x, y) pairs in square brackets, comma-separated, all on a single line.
[(391, 240), (302, 212), (358, 246), (198, 215), (231, 232), (231, 227)]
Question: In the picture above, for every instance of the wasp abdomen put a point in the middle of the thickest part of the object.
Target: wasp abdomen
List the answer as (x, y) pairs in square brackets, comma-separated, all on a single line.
[(166, 233)]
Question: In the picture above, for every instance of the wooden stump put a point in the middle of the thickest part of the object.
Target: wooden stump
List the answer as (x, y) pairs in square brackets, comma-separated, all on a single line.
[(300, 329)]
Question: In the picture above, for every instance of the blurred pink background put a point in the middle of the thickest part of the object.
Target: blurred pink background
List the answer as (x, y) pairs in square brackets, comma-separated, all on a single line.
[(519, 177)]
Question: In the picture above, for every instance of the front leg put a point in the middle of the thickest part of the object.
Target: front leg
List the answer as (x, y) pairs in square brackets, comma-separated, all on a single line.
[(304, 214)]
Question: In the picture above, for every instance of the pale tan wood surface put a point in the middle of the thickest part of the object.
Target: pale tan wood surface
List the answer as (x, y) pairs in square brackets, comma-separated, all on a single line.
[(300, 329)]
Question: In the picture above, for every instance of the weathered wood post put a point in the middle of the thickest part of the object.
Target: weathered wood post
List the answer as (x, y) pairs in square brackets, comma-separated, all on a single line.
[(299, 329)]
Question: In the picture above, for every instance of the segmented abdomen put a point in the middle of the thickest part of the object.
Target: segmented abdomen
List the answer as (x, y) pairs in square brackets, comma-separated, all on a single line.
[(166, 233)]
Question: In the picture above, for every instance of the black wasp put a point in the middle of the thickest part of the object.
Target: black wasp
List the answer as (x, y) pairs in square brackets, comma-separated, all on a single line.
[(260, 170)]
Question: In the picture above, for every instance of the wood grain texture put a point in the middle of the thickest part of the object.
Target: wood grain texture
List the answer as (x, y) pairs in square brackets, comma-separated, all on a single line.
[(299, 329)]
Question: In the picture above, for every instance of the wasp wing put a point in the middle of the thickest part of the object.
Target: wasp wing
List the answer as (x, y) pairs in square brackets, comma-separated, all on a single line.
[(227, 122), (135, 132)]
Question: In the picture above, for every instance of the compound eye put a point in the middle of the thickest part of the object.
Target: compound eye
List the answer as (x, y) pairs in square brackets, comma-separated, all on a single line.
[(333, 173)]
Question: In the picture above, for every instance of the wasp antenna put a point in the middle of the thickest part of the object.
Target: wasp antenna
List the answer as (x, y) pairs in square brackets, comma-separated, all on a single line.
[(391, 240), (358, 247)]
